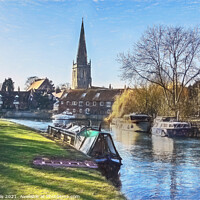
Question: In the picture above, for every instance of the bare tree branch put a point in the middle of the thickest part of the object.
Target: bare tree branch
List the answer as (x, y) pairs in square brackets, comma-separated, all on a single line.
[(166, 56)]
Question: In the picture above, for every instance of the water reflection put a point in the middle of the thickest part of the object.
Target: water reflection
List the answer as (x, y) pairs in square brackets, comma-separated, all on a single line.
[(162, 148), (125, 137), (158, 168)]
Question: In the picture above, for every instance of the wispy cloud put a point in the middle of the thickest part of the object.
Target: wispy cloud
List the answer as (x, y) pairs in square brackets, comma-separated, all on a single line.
[(96, 1)]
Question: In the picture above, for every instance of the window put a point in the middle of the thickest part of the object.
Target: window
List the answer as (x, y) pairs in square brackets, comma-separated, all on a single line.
[(80, 111), (80, 103), (68, 103), (74, 103), (87, 103), (74, 110), (101, 103), (108, 104), (97, 95), (62, 102), (108, 111), (87, 111), (94, 103)]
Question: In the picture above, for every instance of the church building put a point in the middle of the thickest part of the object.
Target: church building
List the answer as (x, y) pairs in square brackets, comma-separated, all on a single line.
[(81, 71), (84, 100)]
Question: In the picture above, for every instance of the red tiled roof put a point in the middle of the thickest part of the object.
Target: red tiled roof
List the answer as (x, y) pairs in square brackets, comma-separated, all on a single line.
[(92, 95)]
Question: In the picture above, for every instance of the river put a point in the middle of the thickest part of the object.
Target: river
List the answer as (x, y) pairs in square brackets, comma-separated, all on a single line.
[(153, 167)]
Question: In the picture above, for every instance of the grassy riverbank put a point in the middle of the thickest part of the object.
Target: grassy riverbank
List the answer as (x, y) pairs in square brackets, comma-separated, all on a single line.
[(20, 145)]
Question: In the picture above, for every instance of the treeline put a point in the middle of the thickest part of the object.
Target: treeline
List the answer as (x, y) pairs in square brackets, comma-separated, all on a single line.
[(166, 58), (151, 100)]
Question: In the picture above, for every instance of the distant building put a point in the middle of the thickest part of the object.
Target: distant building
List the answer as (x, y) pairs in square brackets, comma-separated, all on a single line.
[(92, 103), (14, 100), (41, 85), (81, 70), (57, 96)]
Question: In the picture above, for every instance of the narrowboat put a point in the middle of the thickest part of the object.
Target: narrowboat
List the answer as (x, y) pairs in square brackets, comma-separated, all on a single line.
[(95, 143), (133, 122)]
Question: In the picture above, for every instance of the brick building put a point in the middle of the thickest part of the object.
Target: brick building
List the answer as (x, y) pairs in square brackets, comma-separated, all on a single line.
[(94, 103)]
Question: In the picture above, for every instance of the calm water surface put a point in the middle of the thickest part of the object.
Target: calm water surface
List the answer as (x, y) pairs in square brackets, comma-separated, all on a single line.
[(157, 167), (153, 167)]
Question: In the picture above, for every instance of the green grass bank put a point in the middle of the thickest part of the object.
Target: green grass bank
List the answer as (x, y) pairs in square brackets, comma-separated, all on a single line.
[(20, 145)]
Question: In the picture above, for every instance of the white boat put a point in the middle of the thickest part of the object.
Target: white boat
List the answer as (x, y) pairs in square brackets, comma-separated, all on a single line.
[(133, 122), (169, 127), (61, 119)]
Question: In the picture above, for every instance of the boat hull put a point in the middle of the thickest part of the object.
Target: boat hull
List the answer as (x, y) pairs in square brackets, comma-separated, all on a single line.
[(108, 167), (136, 126), (184, 132)]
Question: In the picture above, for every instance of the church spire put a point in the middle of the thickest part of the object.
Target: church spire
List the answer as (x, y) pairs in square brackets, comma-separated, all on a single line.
[(82, 52)]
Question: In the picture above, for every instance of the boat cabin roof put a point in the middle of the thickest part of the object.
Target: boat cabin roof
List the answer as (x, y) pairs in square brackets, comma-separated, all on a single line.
[(165, 119), (134, 115), (172, 124)]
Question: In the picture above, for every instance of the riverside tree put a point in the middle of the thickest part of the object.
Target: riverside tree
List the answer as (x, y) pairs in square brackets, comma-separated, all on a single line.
[(8, 85), (30, 80), (139, 100), (166, 56)]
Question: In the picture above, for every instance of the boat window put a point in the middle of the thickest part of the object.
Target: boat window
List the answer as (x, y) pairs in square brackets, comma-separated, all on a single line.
[(179, 125), (103, 147), (186, 125), (110, 144), (97, 150), (164, 125), (87, 144)]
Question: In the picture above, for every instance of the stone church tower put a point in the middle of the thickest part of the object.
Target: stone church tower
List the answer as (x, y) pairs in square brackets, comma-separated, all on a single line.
[(81, 70)]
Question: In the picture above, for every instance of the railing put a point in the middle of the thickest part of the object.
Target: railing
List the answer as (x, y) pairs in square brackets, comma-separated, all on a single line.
[(62, 134)]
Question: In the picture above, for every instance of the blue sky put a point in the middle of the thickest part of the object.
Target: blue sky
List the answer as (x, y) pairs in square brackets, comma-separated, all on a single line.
[(40, 37)]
